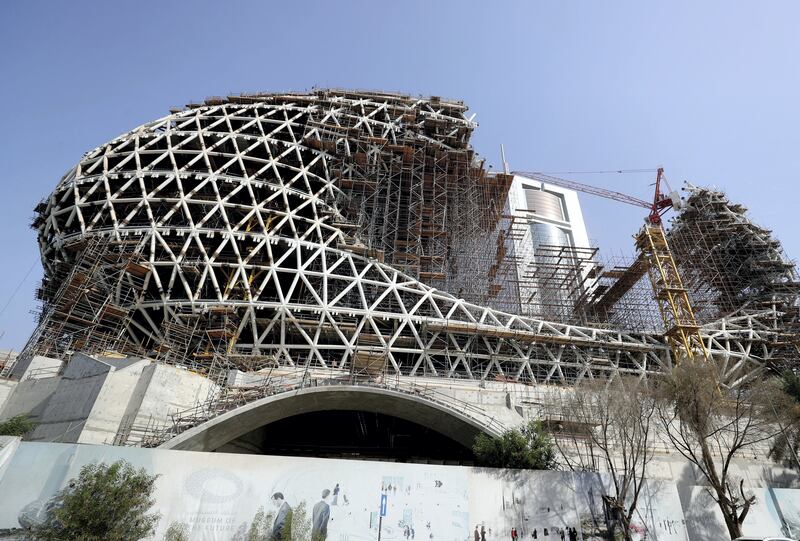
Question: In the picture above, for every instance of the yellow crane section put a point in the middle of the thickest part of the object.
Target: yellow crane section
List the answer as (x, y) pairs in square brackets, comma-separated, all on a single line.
[(681, 328)]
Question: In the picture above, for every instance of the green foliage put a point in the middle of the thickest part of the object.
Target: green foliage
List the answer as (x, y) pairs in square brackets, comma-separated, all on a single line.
[(297, 527), (301, 523), (791, 384), (261, 527), (106, 502), (17, 426), (177, 531), (286, 533), (528, 448), (786, 447), (241, 533)]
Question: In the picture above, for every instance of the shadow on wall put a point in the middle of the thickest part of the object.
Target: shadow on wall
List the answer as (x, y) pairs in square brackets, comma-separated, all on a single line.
[(702, 523), (219, 496)]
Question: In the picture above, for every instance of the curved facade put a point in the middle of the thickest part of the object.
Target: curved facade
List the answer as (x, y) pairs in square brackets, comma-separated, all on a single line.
[(341, 231)]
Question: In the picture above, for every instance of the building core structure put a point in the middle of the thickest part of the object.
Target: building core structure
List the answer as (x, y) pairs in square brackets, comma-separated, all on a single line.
[(266, 241)]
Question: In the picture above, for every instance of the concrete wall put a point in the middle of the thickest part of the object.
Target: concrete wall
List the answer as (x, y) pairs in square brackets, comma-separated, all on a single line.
[(29, 394), (97, 398), (37, 366), (6, 388), (487, 401), (161, 391), (496, 402), (71, 403), (111, 402), (172, 389), (29, 397), (42, 367)]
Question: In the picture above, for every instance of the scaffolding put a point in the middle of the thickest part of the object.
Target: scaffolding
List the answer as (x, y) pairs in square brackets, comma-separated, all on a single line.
[(733, 268), (415, 198), (8, 359), (622, 296), (359, 231), (87, 305)]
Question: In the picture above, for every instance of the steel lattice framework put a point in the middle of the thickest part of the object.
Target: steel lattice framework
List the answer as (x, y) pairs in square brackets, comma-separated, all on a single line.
[(323, 230)]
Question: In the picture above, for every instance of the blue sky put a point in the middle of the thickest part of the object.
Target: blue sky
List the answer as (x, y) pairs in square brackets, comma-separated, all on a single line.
[(710, 90)]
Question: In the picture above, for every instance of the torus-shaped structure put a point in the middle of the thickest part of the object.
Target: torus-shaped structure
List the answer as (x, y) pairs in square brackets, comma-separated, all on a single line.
[(334, 230)]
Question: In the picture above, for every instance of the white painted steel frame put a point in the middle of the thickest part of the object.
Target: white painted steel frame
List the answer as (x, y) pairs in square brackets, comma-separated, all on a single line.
[(234, 207)]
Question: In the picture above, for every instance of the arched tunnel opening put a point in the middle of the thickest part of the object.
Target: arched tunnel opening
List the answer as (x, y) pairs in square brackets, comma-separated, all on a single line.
[(352, 434), (341, 421)]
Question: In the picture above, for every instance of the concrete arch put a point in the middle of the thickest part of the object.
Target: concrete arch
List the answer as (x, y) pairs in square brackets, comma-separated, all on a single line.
[(220, 430)]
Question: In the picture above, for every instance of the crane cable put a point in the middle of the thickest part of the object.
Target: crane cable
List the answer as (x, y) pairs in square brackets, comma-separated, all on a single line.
[(615, 171), (19, 285)]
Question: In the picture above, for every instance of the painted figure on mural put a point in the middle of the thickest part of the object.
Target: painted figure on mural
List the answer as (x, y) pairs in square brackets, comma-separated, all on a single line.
[(282, 527), (320, 516)]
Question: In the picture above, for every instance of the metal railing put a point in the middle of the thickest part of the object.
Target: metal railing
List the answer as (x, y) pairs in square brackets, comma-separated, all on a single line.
[(43, 372), (8, 360)]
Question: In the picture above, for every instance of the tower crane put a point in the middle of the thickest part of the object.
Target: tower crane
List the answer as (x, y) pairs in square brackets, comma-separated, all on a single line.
[(681, 328)]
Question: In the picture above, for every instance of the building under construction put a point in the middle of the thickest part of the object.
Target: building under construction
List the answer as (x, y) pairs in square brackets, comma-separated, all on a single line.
[(350, 230), (250, 245)]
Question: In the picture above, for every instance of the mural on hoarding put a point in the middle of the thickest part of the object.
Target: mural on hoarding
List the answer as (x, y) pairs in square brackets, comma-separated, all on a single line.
[(222, 496), (705, 519), (216, 496)]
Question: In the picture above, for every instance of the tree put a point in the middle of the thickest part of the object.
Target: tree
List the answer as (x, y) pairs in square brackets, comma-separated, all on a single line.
[(106, 502), (786, 447), (301, 523), (17, 426), (611, 424), (791, 384), (261, 527), (710, 418), (528, 447), (177, 531)]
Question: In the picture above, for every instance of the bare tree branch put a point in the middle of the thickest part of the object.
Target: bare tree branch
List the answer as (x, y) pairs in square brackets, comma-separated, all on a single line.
[(710, 422), (617, 421)]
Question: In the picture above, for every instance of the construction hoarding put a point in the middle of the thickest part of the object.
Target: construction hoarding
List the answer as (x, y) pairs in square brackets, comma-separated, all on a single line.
[(219, 496)]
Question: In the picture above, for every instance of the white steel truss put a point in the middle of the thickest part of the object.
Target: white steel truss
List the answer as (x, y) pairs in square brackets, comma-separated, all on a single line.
[(248, 205)]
